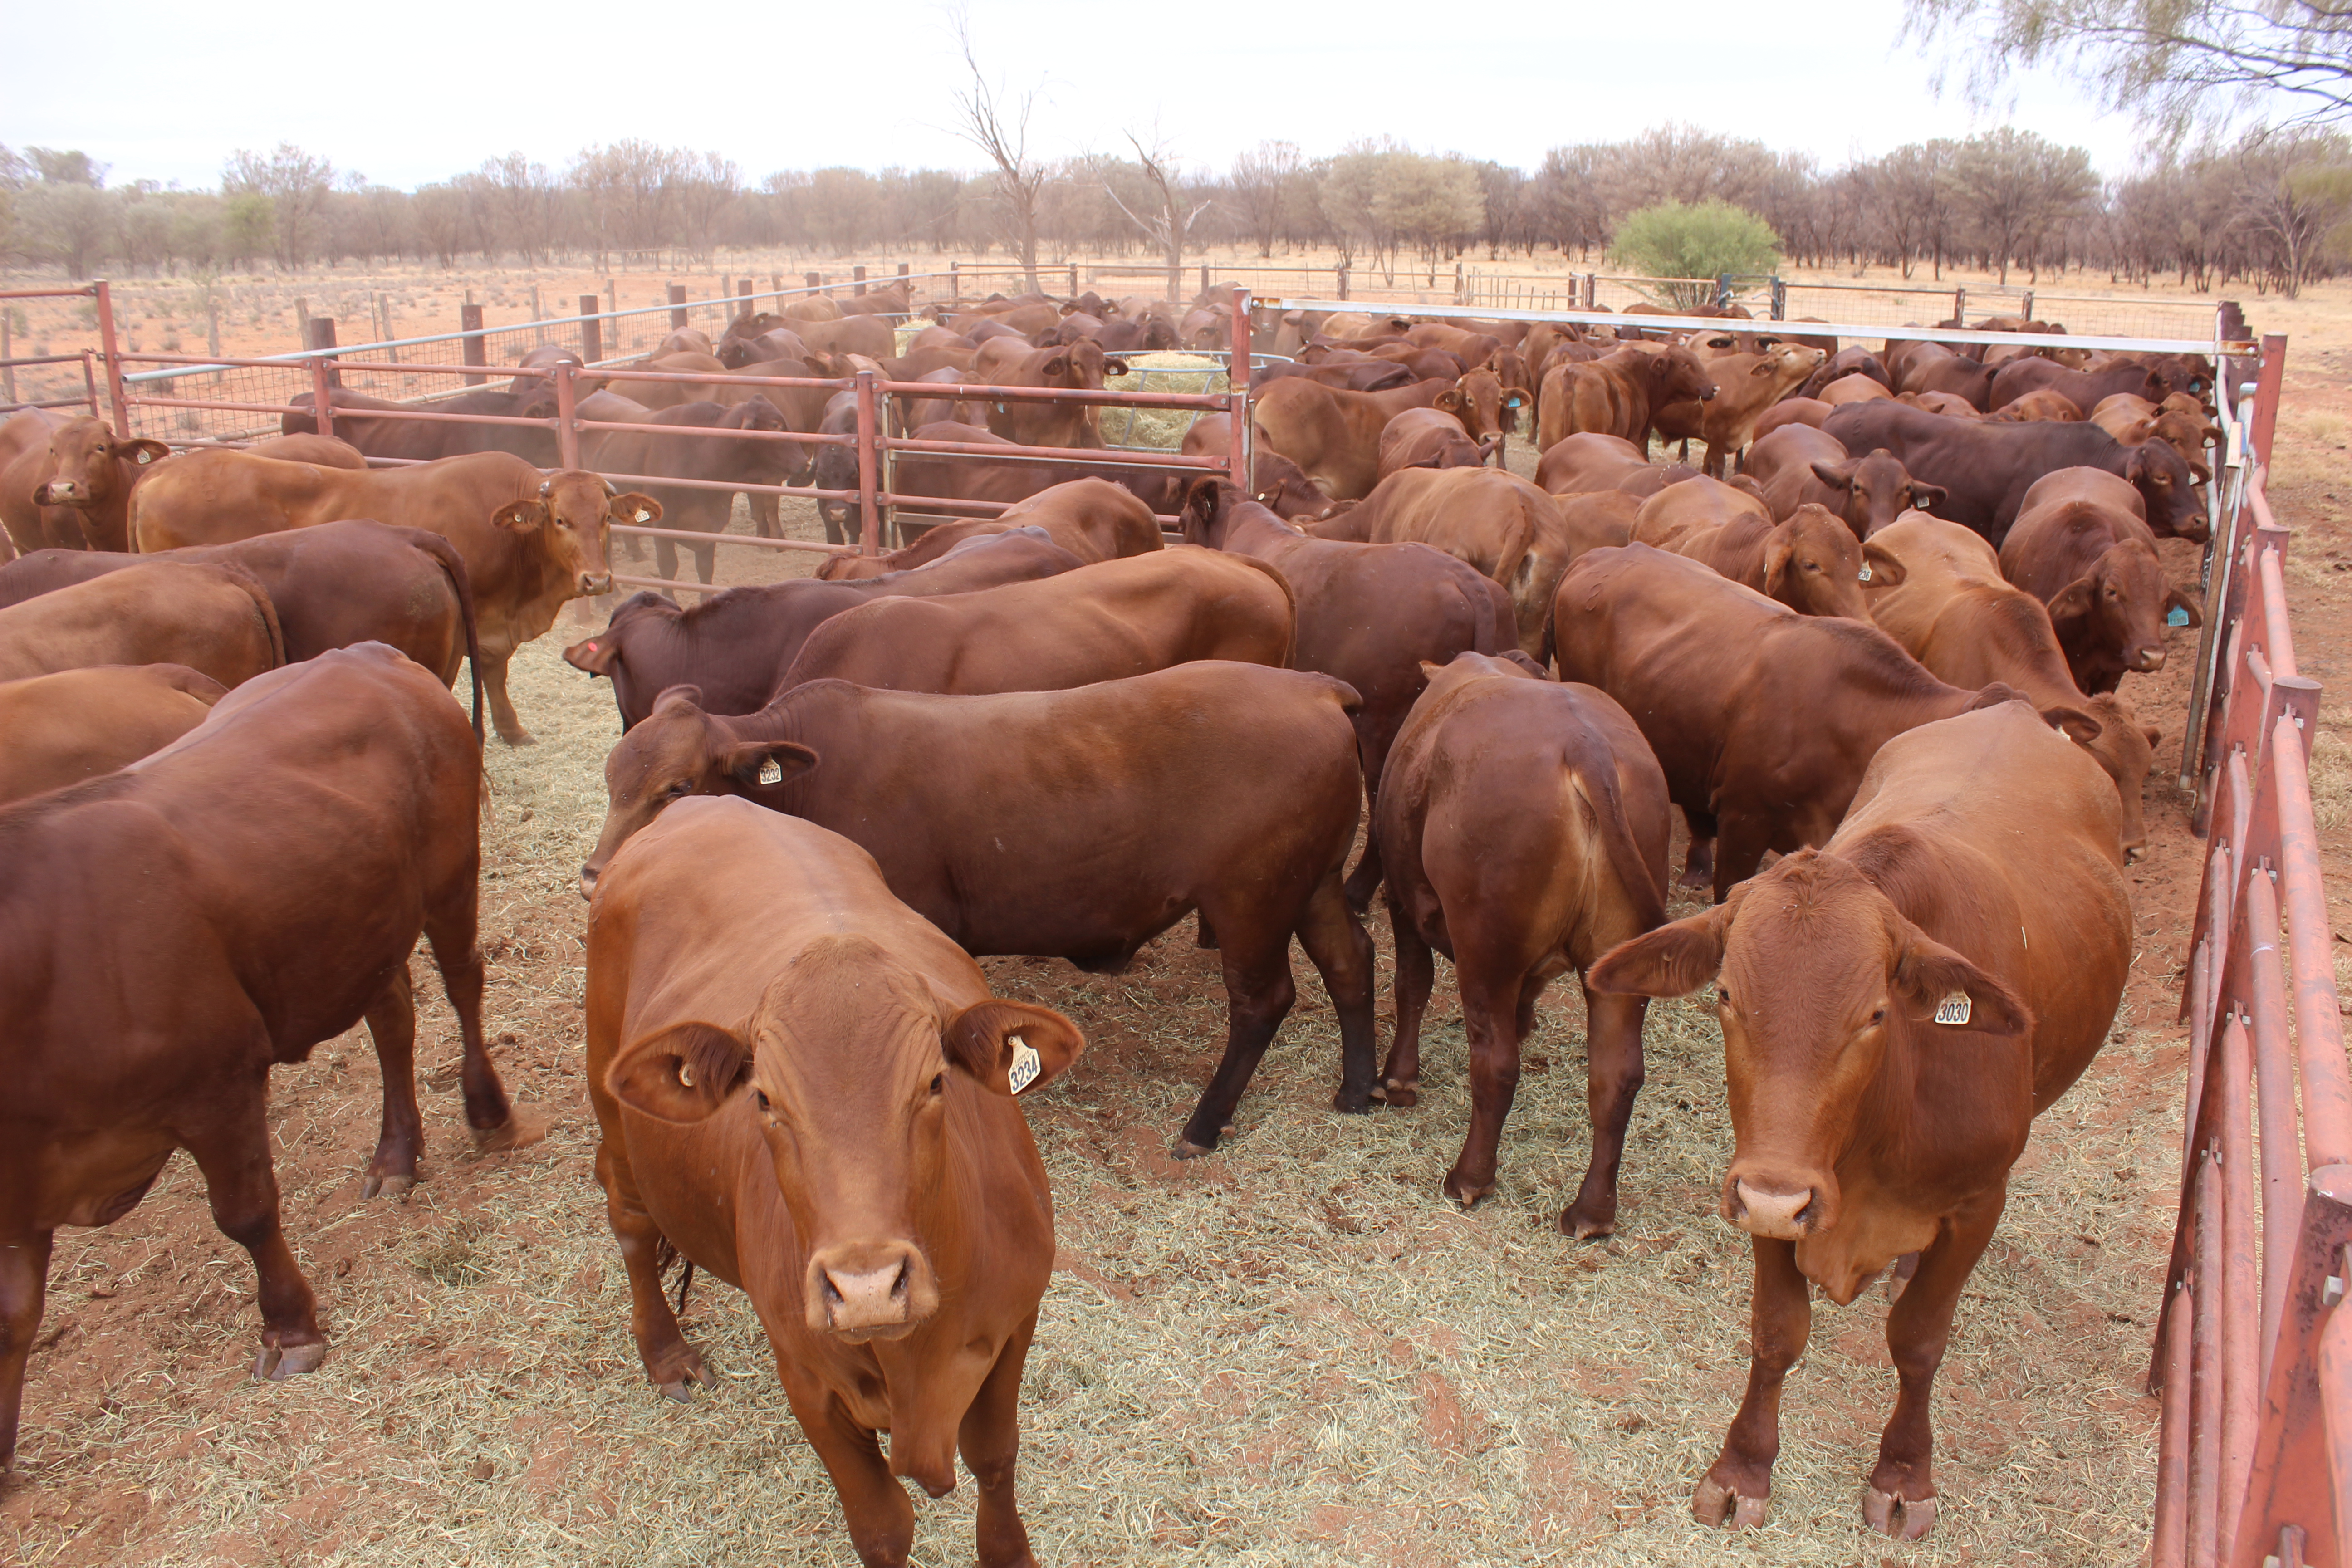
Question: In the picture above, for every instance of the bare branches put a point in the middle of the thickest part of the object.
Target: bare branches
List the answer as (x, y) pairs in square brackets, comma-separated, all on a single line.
[(999, 127)]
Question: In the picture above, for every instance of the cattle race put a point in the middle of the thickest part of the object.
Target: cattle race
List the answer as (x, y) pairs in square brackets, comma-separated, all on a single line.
[(802, 923)]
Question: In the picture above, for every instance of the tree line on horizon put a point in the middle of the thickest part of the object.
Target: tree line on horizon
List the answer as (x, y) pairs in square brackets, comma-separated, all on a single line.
[(2268, 211)]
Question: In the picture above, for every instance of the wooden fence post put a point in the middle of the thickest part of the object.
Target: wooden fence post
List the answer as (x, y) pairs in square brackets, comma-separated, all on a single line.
[(592, 330), (677, 306), (469, 322), (810, 280), (857, 281)]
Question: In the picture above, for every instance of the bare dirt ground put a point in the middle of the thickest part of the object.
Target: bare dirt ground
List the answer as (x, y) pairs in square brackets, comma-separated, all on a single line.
[(1293, 1351)]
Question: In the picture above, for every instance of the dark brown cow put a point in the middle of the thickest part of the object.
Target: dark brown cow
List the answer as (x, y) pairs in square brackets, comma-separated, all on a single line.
[(1495, 520), (1854, 361), (79, 724), (1369, 615), (1619, 396), (1799, 465), (975, 479), (73, 491), (264, 878), (2096, 567), (896, 1241), (751, 455), (1101, 621), (1933, 367), (1986, 469), (1763, 718), (530, 541), (1936, 588), (736, 646), (1525, 830), (215, 619), (2083, 388), (1975, 879), (333, 584), (1088, 863), (422, 440), (1094, 520)]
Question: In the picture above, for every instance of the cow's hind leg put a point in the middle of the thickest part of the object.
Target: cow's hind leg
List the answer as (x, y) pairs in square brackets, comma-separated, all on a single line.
[(1698, 860), (1341, 951), (1255, 950), (494, 1121), (990, 1439), (232, 1149), (1415, 974), (672, 1364), (881, 1520), (24, 1287), (1365, 880), (1613, 1074), (392, 1024), (1901, 1500), (665, 560), (705, 560), (1491, 1018)]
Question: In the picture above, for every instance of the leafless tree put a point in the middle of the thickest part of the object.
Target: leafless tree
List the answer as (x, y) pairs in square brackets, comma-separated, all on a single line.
[(999, 127), (1170, 225)]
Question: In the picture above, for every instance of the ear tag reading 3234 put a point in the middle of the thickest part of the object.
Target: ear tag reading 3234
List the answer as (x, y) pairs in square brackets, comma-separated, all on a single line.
[(770, 771), (1954, 1009), (1025, 1065)]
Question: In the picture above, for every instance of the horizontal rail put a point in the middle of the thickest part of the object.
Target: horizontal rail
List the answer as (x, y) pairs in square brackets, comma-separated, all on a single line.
[(87, 292), (694, 536)]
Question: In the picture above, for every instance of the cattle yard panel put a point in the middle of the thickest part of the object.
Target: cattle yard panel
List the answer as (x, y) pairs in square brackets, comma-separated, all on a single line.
[(53, 388), (320, 371)]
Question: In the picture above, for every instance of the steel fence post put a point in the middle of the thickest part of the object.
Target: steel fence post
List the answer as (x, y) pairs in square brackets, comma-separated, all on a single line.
[(103, 292), (1237, 380), (567, 424), (320, 335), (869, 505), (2264, 426)]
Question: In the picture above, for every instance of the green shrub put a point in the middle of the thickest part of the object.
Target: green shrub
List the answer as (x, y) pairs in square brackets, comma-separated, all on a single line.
[(1673, 239)]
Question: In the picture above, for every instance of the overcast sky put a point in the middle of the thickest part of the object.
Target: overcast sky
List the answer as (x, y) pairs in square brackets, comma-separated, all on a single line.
[(419, 90)]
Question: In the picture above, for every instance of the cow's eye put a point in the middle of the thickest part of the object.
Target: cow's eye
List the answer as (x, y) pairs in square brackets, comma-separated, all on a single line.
[(680, 787), (1878, 1018), (1722, 997), (939, 1083), (761, 1096)]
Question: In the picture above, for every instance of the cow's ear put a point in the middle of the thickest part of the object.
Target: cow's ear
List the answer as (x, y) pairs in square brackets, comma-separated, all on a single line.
[(1451, 400), (752, 763), (522, 516), (1675, 960), (143, 452), (2155, 736), (1114, 367), (1925, 497), (2073, 723), (1837, 476), (1058, 365), (1926, 974), (681, 1075), (597, 656), (1779, 550), (2073, 603), (1010, 1046), (1765, 368), (816, 364), (2198, 471), (1880, 566), (2174, 599), (634, 506)]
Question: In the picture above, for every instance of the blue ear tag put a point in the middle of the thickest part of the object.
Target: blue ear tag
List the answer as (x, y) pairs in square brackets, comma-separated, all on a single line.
[(2177, 616), (1025, 1065)]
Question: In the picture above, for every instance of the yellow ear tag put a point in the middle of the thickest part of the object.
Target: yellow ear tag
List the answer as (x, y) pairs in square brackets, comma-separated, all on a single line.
[(1025, 1065), (1954, 1009), (770, 771)]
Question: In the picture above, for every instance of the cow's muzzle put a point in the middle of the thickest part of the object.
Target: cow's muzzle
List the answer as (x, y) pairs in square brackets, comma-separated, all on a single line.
[(869, 1292), (1768, 1211), (58, 492), (592, 583)]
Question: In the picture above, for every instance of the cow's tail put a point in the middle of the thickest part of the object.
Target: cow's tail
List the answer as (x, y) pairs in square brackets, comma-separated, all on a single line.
[(1592, 777), (268, 608), (442, 551)]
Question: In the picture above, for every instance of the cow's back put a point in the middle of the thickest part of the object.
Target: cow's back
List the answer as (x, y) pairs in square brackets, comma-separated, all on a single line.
[(78, 724), (213, 618)]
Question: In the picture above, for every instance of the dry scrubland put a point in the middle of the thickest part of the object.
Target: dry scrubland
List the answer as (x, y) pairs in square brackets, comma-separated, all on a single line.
[(1293, 1351)]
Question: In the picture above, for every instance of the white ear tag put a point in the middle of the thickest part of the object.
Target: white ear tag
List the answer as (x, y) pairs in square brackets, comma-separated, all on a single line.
[(644, 516), (1865, 571), (1954, 1009), (1025, 1065), (770, 771)]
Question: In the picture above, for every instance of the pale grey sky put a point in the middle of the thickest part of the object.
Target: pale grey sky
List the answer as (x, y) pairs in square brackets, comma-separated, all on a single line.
[(419, 90)]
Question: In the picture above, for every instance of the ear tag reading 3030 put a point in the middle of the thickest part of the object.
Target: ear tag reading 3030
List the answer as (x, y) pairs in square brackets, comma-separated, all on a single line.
[(770, 771), (1953, 1009), (1025, 1065)]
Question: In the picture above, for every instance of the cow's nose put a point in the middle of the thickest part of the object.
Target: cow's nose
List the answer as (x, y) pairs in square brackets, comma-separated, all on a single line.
[(587, 881), (870, 1291), (2150, 659), (2132, 852), (1783, 1216), (592, 583), (1707, 397)]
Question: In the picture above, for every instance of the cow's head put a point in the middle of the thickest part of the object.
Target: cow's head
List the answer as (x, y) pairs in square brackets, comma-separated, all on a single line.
[(1815, 971), (1676, 374), (1876, 490), (2162, 477), (2125, 750), (2121, 604), (676, 750), (567, 519), (89, 465), (1812, 563), (847, 1066), (1283, 489)]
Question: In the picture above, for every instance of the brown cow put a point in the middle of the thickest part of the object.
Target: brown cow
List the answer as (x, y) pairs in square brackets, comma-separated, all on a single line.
[(388, 434), (530, 541), (1085, 863), (1746, 385), (1428, 438), (1114, 618), (1369, 615), (1849, 389), (1792, 411), (1896, 1008), (78, 724), (1525, 829), (1799, 465), (73, 490), (1334, 434), (2040, 404), (1076, 367), (180, 926), (1495, 520), (1619, 396), (1094, 520), (1936, 588), (1763, 718), (1589, 461), (2095, 566), (1810, 561), (215, 619), (817, 1103)]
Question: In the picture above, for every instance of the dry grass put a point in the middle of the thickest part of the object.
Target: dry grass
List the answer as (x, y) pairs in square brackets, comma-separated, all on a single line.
[(1295, 1351)]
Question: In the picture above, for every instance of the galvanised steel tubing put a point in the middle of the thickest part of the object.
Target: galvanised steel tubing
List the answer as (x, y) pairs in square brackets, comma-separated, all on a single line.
[(1113, 457), (693, 537), (1810, 329)]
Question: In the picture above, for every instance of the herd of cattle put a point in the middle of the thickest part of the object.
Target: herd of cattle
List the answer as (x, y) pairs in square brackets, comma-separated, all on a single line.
[(1881, 631)]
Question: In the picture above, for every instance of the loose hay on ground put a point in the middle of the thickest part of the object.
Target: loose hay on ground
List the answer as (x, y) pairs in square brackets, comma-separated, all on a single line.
[(1293, 1351)]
